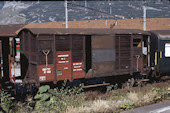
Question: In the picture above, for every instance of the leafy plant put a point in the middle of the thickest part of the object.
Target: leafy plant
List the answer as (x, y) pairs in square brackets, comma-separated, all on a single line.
[(115, 86), (6, 101), (156, 89), (168, 92), (56, 99), (110, 87), (127, 106), (43, 98), (159, 95)]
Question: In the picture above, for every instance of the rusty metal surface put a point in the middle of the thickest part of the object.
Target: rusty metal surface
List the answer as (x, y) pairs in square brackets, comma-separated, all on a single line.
[(77, 48), (103, 48), (123, 51), (0, 48), (103, 55), (0, 63), (78, 70), (9, 30), (101, 69), (45, 73), (105, 42), (28, 57), (63, 65), (81, 31), (63, 43), (95, 85)]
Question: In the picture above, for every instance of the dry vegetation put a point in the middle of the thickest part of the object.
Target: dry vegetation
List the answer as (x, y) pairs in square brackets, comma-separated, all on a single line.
[(122, 99), (74, 100)]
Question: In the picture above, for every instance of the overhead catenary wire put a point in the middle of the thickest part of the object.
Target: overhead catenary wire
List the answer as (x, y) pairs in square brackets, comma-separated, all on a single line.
[(71, 5)]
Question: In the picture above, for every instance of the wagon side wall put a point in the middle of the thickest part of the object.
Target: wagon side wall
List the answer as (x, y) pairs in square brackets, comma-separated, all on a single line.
[(28, 56)]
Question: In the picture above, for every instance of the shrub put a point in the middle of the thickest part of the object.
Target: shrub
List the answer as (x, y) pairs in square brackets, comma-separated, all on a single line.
[(132, 96), (127, 106), (6, 101), (57, 100)]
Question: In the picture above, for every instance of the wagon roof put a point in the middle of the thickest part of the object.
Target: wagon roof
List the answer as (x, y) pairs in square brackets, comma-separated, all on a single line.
[(84, 31), (161, 32), (9, 30)]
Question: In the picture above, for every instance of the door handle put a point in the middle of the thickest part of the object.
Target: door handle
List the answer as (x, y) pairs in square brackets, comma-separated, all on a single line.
[(156, 58), (160, 54)]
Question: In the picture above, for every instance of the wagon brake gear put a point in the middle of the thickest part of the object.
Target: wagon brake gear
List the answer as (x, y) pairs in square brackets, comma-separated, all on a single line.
[(46, 52)]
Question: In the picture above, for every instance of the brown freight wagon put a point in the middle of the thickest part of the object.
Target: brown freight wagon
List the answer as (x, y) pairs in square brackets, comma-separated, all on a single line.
[(0, 65), (52, 54)]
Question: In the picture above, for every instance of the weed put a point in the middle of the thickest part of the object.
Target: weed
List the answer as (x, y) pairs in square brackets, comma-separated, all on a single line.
[(72, 100), (168, 93), (6, 101), (149, 96), (127, 106), (156, 89), (161, 93), (132, 96), (56, 99)]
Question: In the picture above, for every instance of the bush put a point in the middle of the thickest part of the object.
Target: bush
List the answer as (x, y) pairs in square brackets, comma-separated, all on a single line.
[(6, 101), (127, 106), (161, 93), (56, 100)]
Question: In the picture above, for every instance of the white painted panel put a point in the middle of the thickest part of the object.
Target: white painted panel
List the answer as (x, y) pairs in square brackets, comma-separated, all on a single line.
[(167, 50)]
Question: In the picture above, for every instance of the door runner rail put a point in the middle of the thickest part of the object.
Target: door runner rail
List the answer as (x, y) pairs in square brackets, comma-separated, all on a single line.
[(95, 85)]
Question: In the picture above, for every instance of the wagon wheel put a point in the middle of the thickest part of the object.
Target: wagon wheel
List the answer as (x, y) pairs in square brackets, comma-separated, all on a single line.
[(155, 76)]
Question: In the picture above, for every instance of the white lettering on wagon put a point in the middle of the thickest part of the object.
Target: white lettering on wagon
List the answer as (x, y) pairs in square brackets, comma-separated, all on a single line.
[(42, 78), (66, 55), (77, 69), (63, 58), (61, 62), (46, 70), (77, 63), (65, 67), (77, 66)]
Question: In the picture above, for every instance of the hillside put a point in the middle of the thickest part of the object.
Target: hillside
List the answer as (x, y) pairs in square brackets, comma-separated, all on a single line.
[(24, 12)]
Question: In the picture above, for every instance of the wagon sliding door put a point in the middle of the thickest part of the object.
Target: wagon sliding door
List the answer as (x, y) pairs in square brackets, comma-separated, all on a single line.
[(63, 57), (138, 55), (45, 61), (103, 55), (123, 54), (69, 57), (78, 53)]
